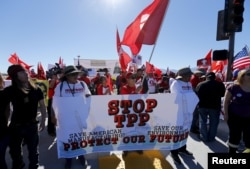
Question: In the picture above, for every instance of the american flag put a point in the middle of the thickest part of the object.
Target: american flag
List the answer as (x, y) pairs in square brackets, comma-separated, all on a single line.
[(242, 59)]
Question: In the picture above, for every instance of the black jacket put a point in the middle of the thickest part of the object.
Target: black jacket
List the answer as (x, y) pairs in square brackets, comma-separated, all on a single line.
[(210, 93), (3, 118)]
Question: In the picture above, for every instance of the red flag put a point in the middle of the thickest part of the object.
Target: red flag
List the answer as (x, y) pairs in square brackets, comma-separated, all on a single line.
[(205, 62), (60, 62), (40, 72), (14, 59), (158, 72), (202, 63), (145, 28), (218, 66), (149, 68), (124, 58), (209, 56)]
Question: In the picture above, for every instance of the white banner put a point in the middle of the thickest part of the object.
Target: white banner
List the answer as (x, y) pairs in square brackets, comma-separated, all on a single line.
[(122, 122)]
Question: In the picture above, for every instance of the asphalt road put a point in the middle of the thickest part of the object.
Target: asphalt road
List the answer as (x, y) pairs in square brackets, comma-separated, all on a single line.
[(49, 160)]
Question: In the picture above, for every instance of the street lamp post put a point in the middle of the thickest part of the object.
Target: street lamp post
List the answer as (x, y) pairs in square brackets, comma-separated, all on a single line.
[(78, 63)]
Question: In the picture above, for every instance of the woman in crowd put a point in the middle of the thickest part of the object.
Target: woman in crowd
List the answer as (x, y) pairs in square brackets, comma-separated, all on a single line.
[(25, 97), (237, 111)]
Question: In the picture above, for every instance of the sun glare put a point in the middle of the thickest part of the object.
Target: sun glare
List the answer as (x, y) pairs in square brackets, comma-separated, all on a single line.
[(113, 3)]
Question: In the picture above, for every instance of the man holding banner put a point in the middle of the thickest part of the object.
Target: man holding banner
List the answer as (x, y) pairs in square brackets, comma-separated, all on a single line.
[(127, 122), (181, 86), (70, 96)]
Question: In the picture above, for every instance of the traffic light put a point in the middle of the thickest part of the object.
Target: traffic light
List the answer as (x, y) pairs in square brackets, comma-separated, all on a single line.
[(220, 55), (233, 15), (221, 34)]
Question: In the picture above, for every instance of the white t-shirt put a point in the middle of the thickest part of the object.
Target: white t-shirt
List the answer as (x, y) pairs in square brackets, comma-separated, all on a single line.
[(189, 100), (179, 86), (138, 82), (72, 90), (152, 85)]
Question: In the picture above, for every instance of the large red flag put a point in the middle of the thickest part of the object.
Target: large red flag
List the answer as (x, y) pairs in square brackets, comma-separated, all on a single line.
[(145, 28), (14, 59), (40, 72), (124, 58)]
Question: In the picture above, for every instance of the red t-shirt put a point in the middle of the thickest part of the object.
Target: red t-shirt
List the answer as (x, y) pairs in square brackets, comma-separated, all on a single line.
[(85, 79), (195, 81), (164, 85), (100, 89), (126, 89), (52, 90)]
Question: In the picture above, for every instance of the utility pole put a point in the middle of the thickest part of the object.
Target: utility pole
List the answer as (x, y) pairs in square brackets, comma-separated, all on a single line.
[(233, 19), (230, 55)]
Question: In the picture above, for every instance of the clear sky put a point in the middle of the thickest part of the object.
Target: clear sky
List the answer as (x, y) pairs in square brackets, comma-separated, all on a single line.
[(42, 31)]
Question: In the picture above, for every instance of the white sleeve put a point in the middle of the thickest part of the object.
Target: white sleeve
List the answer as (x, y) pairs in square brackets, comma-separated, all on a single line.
[(174, 88)]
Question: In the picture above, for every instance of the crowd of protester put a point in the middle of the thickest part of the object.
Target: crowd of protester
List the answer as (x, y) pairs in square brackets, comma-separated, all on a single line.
[(25, 96)]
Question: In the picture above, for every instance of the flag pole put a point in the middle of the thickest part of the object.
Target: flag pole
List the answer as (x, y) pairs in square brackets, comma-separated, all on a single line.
[(150, 57)]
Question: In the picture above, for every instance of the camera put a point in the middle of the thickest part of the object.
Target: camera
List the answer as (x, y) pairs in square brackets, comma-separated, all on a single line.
[(53, 71)]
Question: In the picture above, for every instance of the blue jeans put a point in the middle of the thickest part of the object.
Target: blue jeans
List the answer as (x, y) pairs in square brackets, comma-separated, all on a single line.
[(195, 121), (208, 132)]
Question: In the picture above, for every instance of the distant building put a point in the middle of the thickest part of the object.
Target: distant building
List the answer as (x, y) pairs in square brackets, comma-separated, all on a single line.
[(93, 65)]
